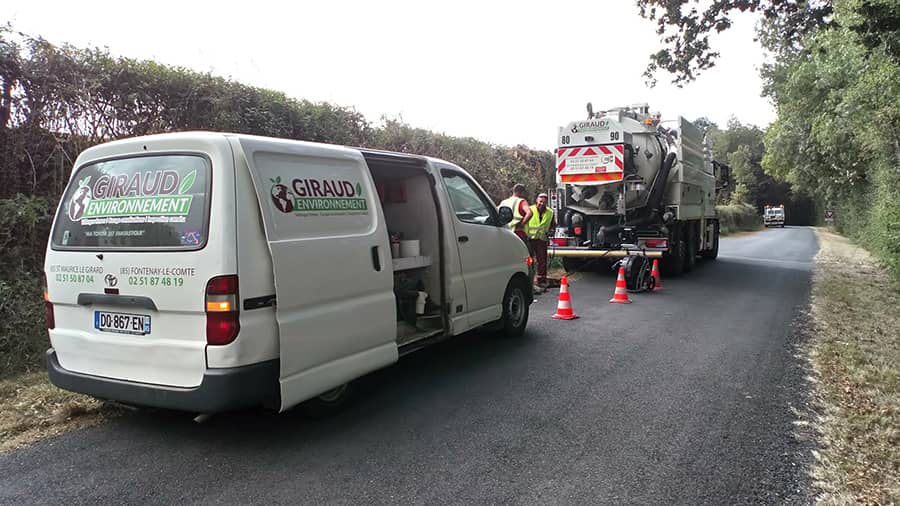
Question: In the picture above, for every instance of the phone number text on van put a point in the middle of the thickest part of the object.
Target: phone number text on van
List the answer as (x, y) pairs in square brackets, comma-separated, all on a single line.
[(74, 278), (155, 281)]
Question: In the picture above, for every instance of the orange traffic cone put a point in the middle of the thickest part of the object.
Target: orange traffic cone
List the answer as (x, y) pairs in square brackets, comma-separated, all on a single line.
[(564, 308), (654, 273), (621, 294)]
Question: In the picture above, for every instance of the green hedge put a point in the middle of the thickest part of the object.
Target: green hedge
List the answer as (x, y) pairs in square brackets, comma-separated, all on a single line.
[(24, 226), (737, 218)]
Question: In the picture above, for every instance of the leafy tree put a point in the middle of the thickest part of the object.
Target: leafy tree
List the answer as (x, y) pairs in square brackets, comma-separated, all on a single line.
[(705, 124), (837, 135), (685, 29)]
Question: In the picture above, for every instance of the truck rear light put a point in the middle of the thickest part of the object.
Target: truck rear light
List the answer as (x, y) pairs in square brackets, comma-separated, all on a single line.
[(577, 230), (560, 241), (48, 306), (657, 243), (222, 316)]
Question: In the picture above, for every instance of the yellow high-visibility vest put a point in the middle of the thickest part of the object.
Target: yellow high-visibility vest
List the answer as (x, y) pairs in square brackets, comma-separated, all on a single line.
[(539, 227), (513, 203)]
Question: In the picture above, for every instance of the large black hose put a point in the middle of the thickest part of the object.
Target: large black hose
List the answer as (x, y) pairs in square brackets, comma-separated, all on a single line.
[(652, 212), (659, 184)]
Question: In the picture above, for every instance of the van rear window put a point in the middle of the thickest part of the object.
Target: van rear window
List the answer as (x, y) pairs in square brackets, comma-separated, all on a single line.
[(147, 202)]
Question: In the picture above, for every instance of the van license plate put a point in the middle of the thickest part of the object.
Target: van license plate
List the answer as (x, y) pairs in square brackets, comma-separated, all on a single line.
[(122, 323)]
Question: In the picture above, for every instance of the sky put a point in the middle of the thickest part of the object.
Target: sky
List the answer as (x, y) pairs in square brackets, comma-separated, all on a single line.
[(504, 72)]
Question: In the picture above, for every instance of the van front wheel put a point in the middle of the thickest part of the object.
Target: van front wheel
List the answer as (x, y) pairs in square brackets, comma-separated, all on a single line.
[(515, 308)]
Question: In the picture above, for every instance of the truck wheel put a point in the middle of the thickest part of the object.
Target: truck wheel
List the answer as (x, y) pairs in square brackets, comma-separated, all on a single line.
[(673, 260), (690, 247), (515, 309), (713, 252), (328, 403)]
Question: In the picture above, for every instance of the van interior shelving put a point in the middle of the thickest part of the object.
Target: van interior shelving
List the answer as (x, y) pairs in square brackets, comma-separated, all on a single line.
[(407, 199)]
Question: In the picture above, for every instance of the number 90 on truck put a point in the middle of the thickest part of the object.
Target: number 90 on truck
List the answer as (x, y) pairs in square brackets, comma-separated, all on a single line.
[(629, 186)]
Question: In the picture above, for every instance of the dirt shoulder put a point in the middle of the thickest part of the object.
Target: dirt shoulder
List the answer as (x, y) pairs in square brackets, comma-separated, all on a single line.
[(856, 359), (31, 409)]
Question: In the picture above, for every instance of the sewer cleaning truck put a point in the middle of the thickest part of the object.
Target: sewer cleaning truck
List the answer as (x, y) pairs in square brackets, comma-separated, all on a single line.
[(630, 184)]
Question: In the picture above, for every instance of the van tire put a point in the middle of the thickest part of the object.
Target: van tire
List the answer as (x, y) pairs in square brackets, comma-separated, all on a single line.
[(515, 308), (328, 403)]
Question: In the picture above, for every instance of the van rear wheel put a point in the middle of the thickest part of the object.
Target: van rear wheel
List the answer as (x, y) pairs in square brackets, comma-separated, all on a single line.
[(327, 403), (515, 308)]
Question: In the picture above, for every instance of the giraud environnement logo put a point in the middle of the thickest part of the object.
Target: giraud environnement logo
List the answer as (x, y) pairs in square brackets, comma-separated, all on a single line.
[(81, 199), (161, 193), (318, 195)]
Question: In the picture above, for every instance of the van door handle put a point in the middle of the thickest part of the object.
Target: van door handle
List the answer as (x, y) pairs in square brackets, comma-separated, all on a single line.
[(376, 259), (463, 238)]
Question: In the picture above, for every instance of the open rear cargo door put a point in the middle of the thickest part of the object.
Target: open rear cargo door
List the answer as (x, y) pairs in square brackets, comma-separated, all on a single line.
[(335, 304)]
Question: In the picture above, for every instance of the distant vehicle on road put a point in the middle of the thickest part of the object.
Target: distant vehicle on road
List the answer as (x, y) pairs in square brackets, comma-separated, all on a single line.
[(774, 216)]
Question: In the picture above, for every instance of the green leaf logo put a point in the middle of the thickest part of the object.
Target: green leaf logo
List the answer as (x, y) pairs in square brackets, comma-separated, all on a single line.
[(358, 189), (187, 182), (84, 182)]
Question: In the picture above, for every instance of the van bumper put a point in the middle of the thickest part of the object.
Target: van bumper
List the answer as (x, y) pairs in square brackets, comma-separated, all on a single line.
[(221, 389)]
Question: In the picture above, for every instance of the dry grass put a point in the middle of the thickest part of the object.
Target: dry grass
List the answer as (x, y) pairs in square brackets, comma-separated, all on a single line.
[(31, 409), (856, 358)]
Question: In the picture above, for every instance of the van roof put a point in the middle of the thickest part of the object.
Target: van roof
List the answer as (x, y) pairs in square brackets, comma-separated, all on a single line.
[(116, 146)]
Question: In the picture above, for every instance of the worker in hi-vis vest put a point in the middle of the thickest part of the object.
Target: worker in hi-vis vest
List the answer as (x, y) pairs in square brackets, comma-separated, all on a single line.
[(538, 230), (521, 211)]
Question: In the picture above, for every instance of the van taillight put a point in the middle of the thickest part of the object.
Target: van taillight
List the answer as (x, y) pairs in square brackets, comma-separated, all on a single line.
[(48, 306), (222, 316), (657, 243)]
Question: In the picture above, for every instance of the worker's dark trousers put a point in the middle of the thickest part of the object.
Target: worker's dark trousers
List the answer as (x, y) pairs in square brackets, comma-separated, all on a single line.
[(539, 251)]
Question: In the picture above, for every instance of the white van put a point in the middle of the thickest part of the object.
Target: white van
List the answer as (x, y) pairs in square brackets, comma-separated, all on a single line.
[(205, 272)]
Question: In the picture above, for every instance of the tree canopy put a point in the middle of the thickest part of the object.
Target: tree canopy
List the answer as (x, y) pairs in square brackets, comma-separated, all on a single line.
[(685, 29)]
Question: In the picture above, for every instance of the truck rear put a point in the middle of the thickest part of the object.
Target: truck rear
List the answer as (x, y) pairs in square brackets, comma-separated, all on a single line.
[(628, 186)]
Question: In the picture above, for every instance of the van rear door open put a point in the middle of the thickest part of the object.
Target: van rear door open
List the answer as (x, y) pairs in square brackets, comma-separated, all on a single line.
[(331, 257)]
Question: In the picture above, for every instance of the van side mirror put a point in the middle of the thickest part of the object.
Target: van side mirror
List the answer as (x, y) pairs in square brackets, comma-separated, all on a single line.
[(506, 215)]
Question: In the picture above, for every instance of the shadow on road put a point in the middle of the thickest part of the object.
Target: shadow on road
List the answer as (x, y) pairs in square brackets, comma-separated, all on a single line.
[(389, 395)]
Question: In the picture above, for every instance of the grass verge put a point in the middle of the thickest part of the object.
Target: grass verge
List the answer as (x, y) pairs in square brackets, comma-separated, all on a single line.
[(32, 409), (856, 359)]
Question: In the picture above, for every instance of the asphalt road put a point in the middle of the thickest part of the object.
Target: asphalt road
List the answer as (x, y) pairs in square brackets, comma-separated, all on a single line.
[(685, 396)]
